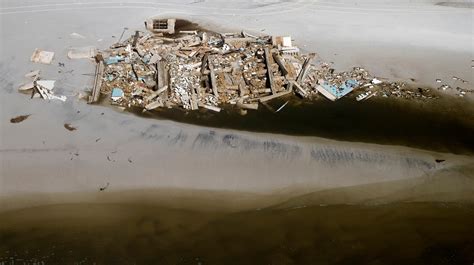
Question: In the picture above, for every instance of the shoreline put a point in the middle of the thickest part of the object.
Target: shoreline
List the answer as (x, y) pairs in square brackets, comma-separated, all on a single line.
[(335, 172)]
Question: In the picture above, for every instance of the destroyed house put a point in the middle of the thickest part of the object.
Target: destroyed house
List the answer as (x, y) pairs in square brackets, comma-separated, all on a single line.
[(161, 25)]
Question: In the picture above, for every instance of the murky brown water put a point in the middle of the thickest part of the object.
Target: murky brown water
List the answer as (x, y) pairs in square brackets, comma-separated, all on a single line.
[(444, 125), (407, 233)]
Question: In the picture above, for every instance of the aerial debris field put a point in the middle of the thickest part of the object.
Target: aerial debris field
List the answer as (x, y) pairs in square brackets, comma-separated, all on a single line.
[(195, 69), (167, 67)]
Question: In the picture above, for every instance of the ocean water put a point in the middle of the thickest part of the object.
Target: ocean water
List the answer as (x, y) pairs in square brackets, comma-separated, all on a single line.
[(399, 233)]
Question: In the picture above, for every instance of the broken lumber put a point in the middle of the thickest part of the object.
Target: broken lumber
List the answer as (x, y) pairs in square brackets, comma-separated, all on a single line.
[(280, 63), (300, 90), (304, 69), (213, 76), (277, 95), (269, 70), (99, 72)]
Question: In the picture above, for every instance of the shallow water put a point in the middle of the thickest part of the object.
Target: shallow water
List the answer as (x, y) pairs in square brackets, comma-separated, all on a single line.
[(402, 233), (445, 125)]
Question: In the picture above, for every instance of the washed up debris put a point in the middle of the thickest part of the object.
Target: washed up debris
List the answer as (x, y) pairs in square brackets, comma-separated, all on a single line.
[(334, 92), (47, 84), (104, 187), (159, 25), (75, 35), (363, 95), (196, 68), (375, 81), (45, 87), (117, 94), (40, 56), (27, 86), (282, 106), (69, 127), (19, 119), (33, 74), (88, 52)]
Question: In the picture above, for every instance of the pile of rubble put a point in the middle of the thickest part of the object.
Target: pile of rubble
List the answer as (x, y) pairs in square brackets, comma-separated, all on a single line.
[(196, 69)]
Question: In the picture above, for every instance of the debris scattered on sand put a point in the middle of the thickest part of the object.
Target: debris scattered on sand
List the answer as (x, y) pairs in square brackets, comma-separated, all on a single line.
[(82, 53), (75, 35), (19, 119), (166, 67), (69, 127), (33, 74), (104, 187), (26, 86), (439, 160), (193, 69), (43, 88), (40, 56)]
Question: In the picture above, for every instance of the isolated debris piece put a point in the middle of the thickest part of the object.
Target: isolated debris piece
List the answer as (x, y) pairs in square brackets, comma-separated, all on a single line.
[(40, 56), (33, 74), (82, 53), (27, 86), (69, 127), (19, 119), (75, 35), (282, 106), (48, 84)]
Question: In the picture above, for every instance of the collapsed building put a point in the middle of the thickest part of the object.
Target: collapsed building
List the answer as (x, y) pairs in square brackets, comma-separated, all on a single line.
[(196, 69)]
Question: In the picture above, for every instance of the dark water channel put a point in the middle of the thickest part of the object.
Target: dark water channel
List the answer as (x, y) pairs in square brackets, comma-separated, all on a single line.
[(445, 125)]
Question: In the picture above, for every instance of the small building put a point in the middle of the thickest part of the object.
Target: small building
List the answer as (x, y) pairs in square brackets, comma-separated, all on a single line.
[(158, 25), (117, 94)]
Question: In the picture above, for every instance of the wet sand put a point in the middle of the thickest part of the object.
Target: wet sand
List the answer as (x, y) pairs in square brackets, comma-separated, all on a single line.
[(401, 233)]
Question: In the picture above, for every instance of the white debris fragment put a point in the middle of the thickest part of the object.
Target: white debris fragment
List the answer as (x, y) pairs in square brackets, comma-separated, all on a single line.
[(209, 107), (154, 105), (26, 86), (375, 81), (40, 56), (75, 35), (438, 80), (33, 74), (44, 88), (48, 84), (82, 53)]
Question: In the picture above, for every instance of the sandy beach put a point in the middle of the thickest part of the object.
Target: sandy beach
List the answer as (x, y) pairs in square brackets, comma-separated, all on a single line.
[(172, 165)]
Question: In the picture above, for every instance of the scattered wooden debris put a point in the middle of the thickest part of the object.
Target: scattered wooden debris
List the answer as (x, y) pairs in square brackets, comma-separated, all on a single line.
[(40, 56), (19, 119), (104, 187), (69, 127), (195, 69)]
